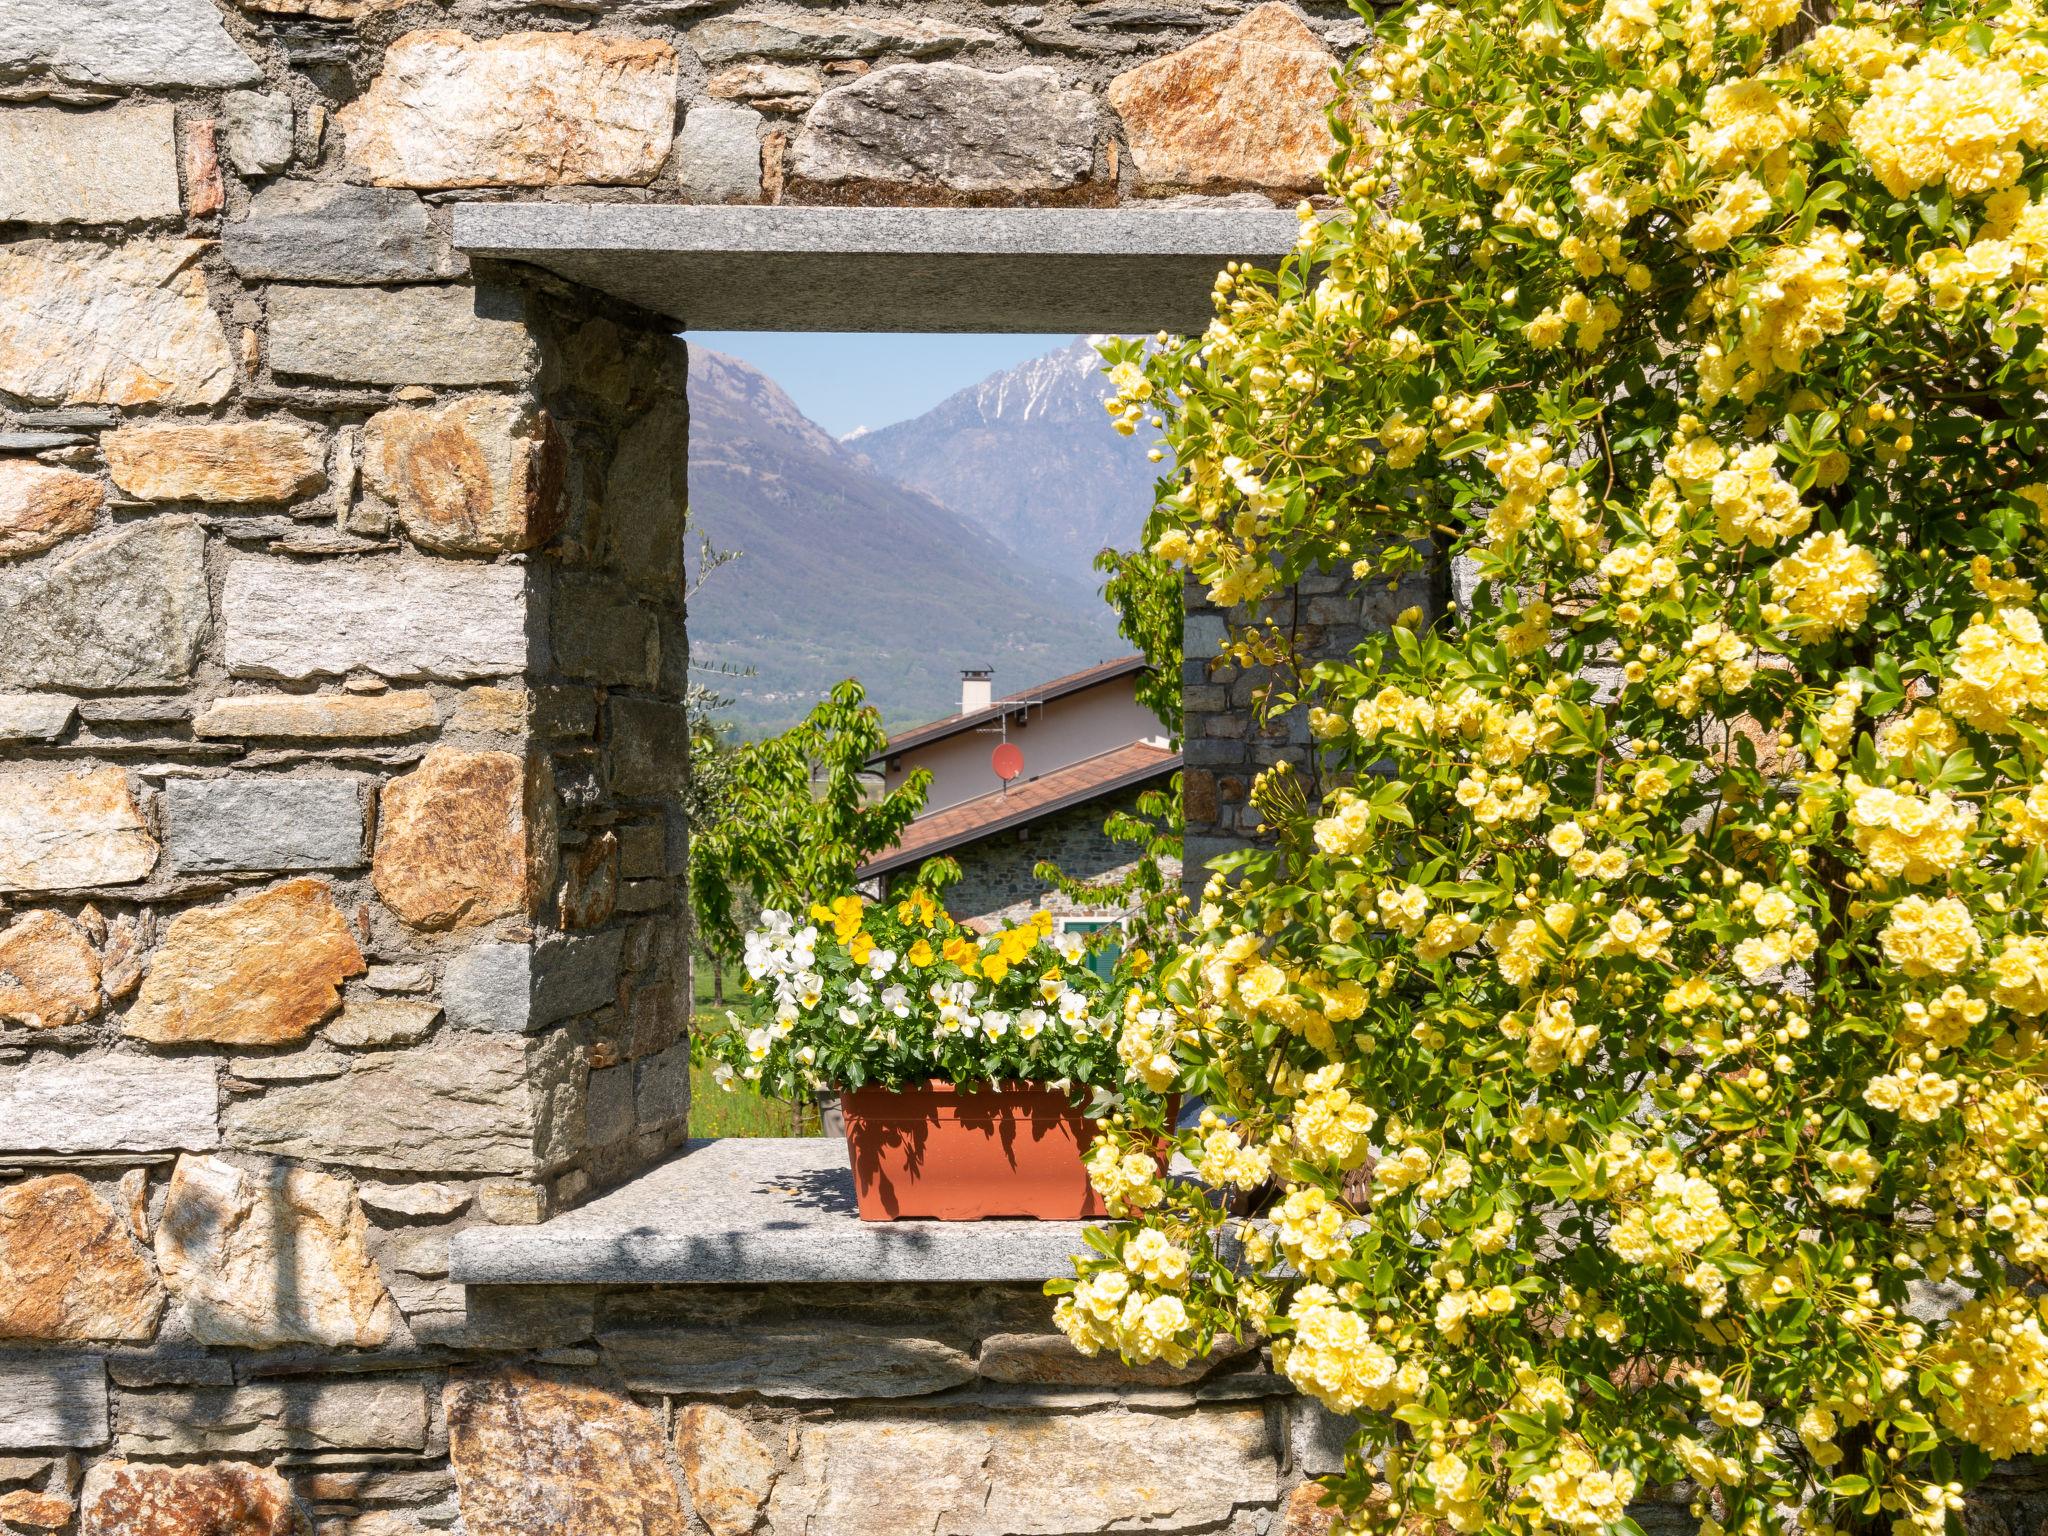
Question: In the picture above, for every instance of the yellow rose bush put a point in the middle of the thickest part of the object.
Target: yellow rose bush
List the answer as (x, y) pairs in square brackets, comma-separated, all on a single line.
[(1632, 1075)]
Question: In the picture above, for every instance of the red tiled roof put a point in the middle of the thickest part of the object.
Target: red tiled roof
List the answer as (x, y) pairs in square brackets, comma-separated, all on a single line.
[(1090, 779), (952, 725)]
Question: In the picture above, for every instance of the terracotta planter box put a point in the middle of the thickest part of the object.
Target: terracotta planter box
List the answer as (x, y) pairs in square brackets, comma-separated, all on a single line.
[(941, 1153)]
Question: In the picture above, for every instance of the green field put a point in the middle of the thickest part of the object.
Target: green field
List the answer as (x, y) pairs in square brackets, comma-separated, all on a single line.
[(715, 1112)]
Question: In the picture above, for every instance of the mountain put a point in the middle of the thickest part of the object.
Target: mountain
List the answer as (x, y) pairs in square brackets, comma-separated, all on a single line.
[(843, 572), (1028, 454)]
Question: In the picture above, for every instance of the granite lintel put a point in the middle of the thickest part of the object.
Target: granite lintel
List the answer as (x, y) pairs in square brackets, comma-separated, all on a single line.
[(1126, 270), (745, 1211)]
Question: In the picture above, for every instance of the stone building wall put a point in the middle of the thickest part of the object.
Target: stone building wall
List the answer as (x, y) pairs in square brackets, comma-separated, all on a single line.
[(341, 658), (1000, 886), (1230, 736)]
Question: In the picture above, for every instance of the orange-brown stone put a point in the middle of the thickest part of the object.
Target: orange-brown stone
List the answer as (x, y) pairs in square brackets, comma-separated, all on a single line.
[(35, 1511), (220, 1498), (464, 839), (532, 1454), (728, 1470), (1305, 1514), (481, 476), (318, 716), (228, 462), (1244, 108), (64, 827), (257, 970), (272, 1257), (49, 973), (42, 505), (70, 1267)]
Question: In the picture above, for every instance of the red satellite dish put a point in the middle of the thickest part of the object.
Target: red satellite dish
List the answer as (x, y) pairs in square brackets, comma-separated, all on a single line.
[(1008, 761)]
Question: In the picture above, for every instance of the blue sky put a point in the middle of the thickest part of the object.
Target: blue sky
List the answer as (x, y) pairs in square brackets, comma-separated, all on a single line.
[(843, 380)]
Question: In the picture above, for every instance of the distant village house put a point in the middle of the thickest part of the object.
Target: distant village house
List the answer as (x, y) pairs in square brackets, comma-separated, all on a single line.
[(1075, 749)]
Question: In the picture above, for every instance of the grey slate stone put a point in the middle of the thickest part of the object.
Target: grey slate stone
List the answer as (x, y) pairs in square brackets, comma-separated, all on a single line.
[(661, 1087), (796, 1364), (459, 1105), (746, 1211), (314, 232), (398, 618), (125, 611), (1316, 1437), (457, 336), (717, 156), (947, 125), (122, 42), (611, 1105), (649, 747), (49, 1401), (257, 129), (108, 167), (334, 1415), (264, 822), (1123, 270), (35, 716), (520, 988), (109, 1103)]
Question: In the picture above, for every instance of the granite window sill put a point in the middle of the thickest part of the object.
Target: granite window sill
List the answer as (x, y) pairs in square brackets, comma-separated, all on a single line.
[(755, 1211)]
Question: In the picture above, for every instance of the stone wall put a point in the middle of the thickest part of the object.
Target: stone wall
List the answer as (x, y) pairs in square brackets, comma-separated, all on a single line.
[(1000, 885), (1230, 736), (341, 657)]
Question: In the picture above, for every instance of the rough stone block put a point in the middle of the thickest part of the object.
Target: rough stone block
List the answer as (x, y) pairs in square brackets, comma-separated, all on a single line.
[(533, 1454), (329, 233), (465, 838), (792, 1364), (950, 126), (230, 461), (261, 969), (718, 154), (127, 324), (811, 35), (381, 1023), (123, 42), (400, 619), (1244, 108), (610, 1116), (530, 110), (49, 972), (520, 988), (1009, 1475), (262, 822), (42, 505), (480, 476), (603, 636), (333, 1415), (728, 1470), (219, 1498), (128, 610), (661, 1087), (70, 1267), (442, 335), (270, 1258), (462, 1104), (52, 1401), (108, 1103), (68, 827), (106, 167), (646, 493), (319, 716), (35, 716), (649, 747), (258, 129)]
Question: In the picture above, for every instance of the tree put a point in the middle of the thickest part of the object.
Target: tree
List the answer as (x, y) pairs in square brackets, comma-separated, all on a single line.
[(1674, 950), (796, 818)]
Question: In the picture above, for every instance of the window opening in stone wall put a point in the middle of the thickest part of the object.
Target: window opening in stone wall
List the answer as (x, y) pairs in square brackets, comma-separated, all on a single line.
[(923, 513)]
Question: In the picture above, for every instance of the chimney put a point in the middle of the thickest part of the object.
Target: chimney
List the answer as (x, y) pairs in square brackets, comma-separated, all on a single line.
[(976, 691)]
